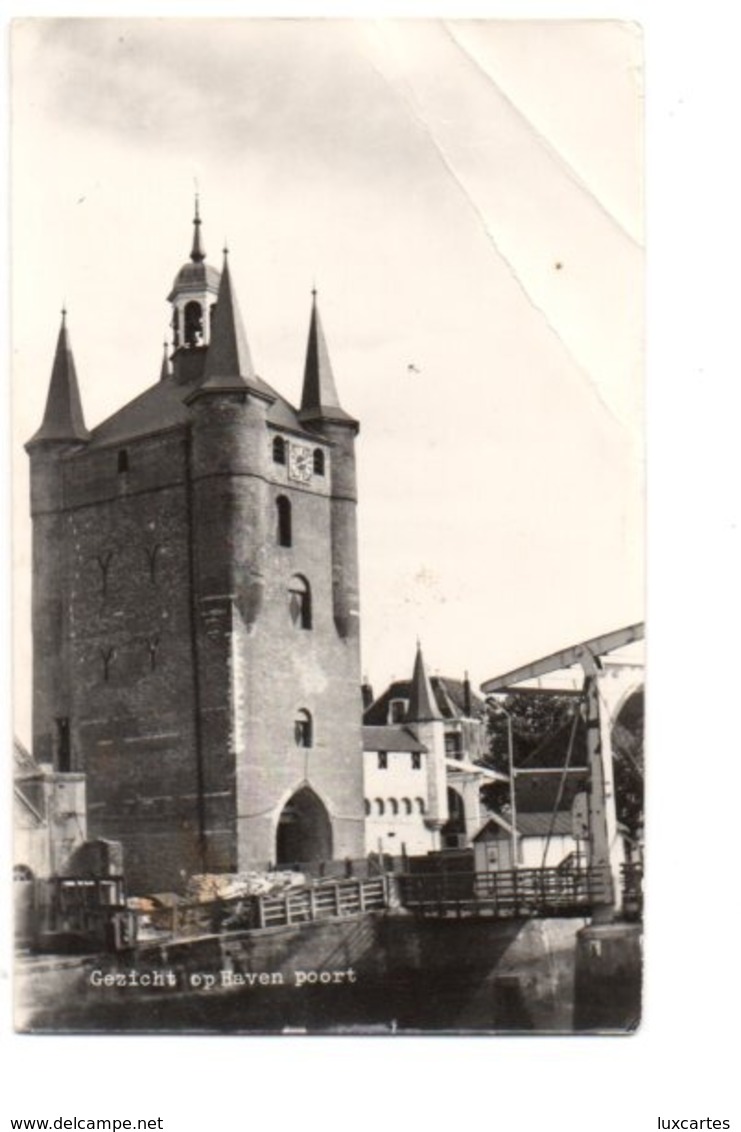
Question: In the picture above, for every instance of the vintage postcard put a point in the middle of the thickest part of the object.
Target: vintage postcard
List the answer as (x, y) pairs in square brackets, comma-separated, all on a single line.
[(328, 526)]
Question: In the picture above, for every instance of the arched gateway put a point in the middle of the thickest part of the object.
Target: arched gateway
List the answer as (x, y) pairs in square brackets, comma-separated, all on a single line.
[(304, 830)]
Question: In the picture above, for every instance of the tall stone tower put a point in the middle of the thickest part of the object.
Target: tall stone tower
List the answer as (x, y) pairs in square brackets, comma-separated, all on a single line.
[(195, 603)]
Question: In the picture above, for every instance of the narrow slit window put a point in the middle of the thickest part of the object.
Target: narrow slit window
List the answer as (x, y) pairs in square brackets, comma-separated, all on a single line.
[(283, 516)]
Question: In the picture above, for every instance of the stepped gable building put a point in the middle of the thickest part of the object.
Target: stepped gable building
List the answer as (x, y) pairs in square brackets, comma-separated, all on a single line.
[(195, 603), (422, 739)]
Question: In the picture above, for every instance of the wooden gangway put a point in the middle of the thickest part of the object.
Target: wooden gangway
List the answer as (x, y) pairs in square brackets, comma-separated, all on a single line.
[(507, 894)]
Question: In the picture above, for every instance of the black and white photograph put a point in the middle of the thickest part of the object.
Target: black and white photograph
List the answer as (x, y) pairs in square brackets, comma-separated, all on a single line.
[(328, 526)]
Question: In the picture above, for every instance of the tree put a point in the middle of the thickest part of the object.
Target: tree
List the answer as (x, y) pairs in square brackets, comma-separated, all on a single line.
[(541, 727), (542, 724), (627, 761)]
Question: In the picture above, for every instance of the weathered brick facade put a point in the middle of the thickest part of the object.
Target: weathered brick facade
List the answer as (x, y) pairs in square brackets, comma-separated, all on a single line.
[(195, 613)]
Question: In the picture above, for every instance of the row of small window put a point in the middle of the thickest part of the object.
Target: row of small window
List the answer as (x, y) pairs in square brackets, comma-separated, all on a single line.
[(383, 760), (394, 806), (280, 455), (280, 450)]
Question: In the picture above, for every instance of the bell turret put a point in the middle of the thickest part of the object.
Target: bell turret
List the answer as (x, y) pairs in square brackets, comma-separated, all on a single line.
[(193, 297)]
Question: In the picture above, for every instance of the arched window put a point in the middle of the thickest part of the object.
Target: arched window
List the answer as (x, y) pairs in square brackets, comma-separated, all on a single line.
[(283, 512), (299, 602), (420, 805), (279, 450), (193, 324), (318, 462), (407, 804), (367, 807), (393, 806), (380, 807), (303, 729)]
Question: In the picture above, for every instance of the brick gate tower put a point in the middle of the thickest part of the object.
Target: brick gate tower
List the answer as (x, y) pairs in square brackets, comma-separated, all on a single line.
[(195, 603)]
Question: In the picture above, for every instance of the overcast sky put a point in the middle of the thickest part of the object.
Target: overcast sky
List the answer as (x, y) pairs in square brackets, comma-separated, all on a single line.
[(466, 196)]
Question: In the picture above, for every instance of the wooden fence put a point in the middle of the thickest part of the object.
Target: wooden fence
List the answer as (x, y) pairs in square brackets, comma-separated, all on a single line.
[(322, 901)]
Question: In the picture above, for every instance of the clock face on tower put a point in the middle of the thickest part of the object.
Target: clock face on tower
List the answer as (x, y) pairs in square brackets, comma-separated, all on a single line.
[(300, 462)]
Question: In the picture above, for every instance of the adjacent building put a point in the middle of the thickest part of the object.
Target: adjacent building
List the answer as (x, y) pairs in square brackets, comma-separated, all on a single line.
[(422, 739)]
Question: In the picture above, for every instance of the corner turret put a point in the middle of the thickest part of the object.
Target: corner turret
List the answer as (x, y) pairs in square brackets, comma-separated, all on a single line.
[(422, 704), (425, 721), (321, 412), (62, 430)]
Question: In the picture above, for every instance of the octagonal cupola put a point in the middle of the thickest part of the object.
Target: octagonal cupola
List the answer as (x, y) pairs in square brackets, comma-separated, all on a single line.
[(193, 297)]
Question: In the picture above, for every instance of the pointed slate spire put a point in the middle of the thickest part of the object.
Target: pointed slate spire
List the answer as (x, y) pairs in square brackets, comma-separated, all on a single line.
[(422, 704), (63, 419), (229, 366), (228, 353), (197, 253), (319, 392)]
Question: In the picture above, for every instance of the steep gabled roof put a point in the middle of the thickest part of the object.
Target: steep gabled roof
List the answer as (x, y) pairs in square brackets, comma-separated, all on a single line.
[(449, 696), (538, 792), (528, 825), (163, 406), (541, 824), (390, 738)]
